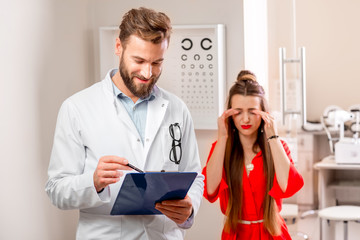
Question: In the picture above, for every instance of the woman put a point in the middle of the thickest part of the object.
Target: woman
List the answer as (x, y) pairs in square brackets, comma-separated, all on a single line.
[(249, 168)]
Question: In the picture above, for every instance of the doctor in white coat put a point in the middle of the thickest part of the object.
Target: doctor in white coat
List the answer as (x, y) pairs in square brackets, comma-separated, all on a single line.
[(123, 119)]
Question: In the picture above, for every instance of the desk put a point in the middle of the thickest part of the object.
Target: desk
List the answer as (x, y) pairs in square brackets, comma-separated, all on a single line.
[(337, 183)]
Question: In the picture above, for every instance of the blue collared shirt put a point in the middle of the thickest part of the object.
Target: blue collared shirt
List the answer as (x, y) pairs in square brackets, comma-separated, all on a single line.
[(137, 111)]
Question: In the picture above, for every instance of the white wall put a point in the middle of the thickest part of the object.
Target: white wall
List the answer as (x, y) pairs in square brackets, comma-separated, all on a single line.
[(256, 39), (43, 59), (49, 50), (329, 31)]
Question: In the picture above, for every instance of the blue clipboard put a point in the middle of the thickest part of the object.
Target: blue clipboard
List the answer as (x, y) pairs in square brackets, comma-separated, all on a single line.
[(140, 191)]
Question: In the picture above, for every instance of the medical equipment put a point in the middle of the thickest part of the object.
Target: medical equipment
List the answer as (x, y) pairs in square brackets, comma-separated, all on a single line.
[(293, 91), (330, 123), (345, 148), (354, 125), (291, 109)]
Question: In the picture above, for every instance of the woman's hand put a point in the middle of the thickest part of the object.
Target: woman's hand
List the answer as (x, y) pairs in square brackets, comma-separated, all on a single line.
[(280, 158), (269, 122), (223, 123)]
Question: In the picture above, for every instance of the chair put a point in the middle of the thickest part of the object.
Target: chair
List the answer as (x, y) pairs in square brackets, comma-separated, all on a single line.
[(343, 213), (290, 213)]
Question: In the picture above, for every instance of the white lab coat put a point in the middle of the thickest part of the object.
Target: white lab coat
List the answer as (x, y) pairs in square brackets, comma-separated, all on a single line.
[(90, 126)]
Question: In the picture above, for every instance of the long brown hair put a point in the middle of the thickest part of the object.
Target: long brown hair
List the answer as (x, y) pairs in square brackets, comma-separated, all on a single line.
[(247, 85), (147, 24)]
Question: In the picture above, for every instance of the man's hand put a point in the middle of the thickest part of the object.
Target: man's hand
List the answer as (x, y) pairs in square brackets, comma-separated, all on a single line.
[(107, 172), (177, 210)]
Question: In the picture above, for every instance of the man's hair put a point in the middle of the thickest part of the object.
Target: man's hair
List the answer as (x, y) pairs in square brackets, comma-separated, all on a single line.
[(145, 23)]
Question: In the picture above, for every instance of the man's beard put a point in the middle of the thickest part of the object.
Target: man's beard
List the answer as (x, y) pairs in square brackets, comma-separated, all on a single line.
[(141, 91)]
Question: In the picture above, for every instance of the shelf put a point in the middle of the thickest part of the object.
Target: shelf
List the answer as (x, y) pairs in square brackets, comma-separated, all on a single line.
[(329, 163), (345, 185)]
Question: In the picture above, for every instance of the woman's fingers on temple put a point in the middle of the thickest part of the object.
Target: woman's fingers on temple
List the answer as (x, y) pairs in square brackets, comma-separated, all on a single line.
[(259, 112), (230, 112), (264, 115)]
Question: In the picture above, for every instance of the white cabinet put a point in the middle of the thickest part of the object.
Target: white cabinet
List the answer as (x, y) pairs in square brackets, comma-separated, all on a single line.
[(305, 196), (311, 148), (305, 162)]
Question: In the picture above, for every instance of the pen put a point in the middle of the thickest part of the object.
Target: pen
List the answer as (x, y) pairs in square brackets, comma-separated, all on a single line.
[(135, 168)]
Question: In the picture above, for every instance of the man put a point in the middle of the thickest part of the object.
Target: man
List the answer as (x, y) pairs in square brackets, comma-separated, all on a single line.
[(125, 119)]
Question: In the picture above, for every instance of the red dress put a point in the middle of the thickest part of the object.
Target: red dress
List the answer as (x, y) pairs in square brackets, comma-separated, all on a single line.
[(254, 188)]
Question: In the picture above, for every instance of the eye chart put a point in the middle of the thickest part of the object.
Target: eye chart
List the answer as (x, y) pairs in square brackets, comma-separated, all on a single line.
[(193, 69)]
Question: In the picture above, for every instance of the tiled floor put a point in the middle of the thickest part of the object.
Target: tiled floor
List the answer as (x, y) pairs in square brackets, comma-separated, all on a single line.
[(308, 226), (311, 226)]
